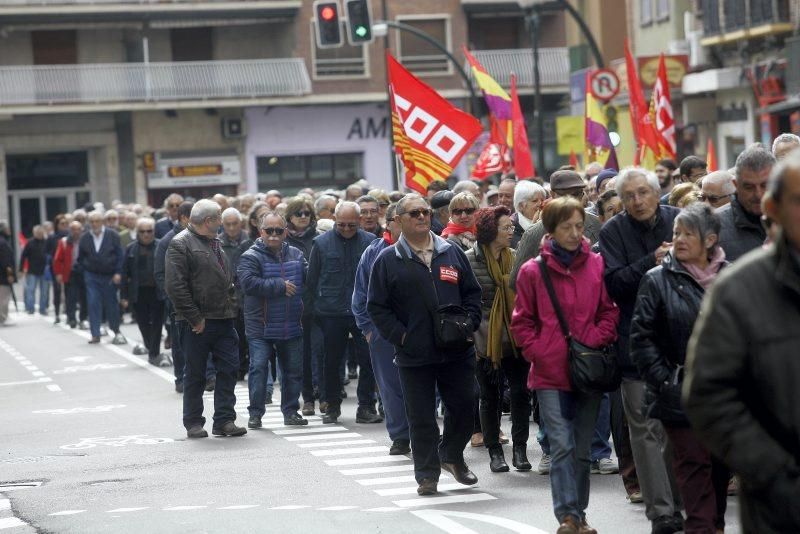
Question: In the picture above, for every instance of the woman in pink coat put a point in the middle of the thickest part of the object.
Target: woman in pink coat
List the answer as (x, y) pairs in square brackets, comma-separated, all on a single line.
[(569, 416)]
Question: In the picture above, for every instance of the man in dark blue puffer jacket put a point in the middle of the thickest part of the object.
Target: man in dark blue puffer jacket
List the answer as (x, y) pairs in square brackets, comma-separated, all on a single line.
[(272, 276)]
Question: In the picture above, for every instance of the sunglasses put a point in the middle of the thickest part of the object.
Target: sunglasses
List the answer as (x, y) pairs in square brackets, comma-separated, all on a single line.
[(416, 214), (346, 225), (304, 213), (273, 231), (465, 211)]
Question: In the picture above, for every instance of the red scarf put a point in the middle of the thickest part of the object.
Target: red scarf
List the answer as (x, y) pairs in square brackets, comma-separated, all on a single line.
[(456, 229), (387, 236)]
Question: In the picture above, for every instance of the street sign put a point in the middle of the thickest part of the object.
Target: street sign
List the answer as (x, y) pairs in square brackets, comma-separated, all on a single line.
[(603, 84)]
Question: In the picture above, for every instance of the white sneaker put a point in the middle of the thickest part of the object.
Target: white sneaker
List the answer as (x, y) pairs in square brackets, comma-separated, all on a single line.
[(119, 339), (607, 466), (544, 465), (84, 325)]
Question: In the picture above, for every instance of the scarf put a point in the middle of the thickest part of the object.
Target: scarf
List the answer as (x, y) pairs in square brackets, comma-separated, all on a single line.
[(706, 276), (298, 234), (565, 257), (387, 236), (456, 229), (503, 305), (523, 221)]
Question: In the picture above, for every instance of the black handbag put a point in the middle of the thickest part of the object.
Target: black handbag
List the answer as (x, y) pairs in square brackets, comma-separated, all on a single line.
[(591, 370), (452, 325)]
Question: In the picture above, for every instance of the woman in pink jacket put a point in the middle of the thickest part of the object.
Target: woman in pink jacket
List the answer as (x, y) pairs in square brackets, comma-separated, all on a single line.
[(569, 416)]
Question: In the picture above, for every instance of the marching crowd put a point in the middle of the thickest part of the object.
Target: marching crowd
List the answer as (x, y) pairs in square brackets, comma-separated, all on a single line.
[(580, 303)]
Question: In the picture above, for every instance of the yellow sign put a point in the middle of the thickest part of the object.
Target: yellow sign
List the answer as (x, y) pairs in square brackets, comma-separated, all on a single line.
[(194, 170), (569, 134)]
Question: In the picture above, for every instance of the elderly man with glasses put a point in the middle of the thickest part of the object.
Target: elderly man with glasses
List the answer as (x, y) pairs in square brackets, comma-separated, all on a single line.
[(167, 223), (331, 281)]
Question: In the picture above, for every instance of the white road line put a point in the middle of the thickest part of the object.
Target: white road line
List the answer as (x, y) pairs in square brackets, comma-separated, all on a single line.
[(383, 509), (449, 499), (11, 522), (412, 490), (23, 382), (327, 438), (53, 387), (273, 426), (337, 508), (5, 504), (343, 442), (291, 507), (37, 373), (239, 507), (183, 508), (31, 368), (392, 480), (367, 460), (376, 470), (68, 512), (124, 510), (25, 361), (310, 430), (354, 450)]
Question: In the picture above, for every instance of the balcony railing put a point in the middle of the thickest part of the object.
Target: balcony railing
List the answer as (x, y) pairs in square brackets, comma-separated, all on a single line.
[(154, 82), (553, 65), (101, 2), (736, 15)]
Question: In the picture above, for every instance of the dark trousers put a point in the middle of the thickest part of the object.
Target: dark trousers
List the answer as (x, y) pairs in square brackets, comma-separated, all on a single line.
[(455, 381), (702, 481), (622, 443), (150, 318), (337, 331), (220, 340), (244, 361), (491, 384), (57, 296), (178, 361), (101, 295), (76, 298)]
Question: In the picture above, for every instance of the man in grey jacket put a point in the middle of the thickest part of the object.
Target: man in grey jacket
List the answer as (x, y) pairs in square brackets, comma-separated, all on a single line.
[(199, 282)]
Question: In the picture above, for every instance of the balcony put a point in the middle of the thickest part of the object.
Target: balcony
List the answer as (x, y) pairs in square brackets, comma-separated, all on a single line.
[(726, 21), (553, 67), (120, 86)]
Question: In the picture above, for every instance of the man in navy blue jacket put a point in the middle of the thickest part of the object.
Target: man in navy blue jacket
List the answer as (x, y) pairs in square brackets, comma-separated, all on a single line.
[(419, 263), (381, 352), (100, 257)]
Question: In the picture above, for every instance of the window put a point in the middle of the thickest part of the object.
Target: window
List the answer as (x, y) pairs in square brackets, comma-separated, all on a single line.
[(58, 169), (317, 170), (711, 22), (645, 12), (662, 10), (191, 44), (420, 56), (343, 62), (58, 47)]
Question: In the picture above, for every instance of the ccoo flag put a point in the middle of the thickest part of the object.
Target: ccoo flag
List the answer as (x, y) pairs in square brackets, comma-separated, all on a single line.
[(598, 142), (430, 134)]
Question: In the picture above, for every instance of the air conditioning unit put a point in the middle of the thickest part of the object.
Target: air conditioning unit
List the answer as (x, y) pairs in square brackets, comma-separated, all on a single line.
[(697, 54), (232, 128)]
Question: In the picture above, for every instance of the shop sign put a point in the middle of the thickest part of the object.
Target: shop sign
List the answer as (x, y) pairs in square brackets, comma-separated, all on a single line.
[(647, 66), (194, 172)]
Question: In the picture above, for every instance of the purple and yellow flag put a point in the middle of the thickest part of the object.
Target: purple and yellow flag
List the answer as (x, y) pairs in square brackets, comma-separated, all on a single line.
[(497, 100), (598, 142)]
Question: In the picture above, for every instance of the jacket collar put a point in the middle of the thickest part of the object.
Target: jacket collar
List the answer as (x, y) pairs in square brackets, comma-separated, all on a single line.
[(226, 240), (479, 255), (440, 246), (264, 249), (200, 236), (546, 251), (645, 226), (740, 219)]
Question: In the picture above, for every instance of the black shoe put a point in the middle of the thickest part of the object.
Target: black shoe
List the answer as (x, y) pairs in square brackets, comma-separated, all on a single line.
[(343, 394), (461, 473), (294, 420), (254, 422), (664, 525), (520, 458), (268, 400), (211, 383), (400, 447), (365, 416), (58, 320), (229, 429), (73, 324), (497, 460), (380, 410), (197, 431), (331, 416), (94, 340), (179, 387), (352, 374), (346, 381), (316, 393), (428, 486)]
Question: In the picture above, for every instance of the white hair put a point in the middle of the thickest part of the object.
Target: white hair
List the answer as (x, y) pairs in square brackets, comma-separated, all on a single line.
[(785, 138), (465, 186), (629, 173), (145, 220), (203, 209), (111, 213), (723, 178), (347, 204), (231, 212), (527, 190), (319, 204)]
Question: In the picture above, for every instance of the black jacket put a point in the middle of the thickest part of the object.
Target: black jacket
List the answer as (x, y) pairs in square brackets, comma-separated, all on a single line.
[(666, 309), (35, 252), (160, 261), (396, 304), (742, 386), (106, 261), (6, 262), (129, 288), (304, 241), (738, 234), (163, 225), (628, 249)]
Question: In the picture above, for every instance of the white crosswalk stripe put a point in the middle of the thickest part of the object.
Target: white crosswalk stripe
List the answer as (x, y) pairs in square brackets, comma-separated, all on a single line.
[(354, 450), (448, 499), (367, 460)]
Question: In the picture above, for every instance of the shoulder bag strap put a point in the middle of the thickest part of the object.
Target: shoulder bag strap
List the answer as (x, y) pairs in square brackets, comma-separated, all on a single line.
[(552, 293)]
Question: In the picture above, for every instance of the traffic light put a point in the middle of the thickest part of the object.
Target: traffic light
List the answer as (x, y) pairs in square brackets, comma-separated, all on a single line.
[(328, 24), (359, 21)]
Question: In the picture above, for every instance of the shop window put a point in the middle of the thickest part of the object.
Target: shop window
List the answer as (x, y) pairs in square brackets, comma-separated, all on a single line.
[(314, 170), (342, 62), (645, 12), (420, 56), (662, 10), (38, 171)]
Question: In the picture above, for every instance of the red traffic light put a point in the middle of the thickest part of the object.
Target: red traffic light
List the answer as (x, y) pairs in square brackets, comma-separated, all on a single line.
[(327, 13)]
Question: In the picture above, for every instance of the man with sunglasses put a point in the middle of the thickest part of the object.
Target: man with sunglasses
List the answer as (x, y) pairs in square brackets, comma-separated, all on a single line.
[(331, 281), (167, 223), (272, 275), (423, 268), (717, 189)]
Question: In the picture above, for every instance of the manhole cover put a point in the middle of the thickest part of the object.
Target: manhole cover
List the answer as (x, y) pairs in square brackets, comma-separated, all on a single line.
[(13, 486)]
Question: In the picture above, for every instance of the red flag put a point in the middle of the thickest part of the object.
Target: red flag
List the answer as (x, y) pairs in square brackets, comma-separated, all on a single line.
[(573, 159), (22, 242), (664, 118), (711, 156), (641, 120), (491, 161), (523, 161), (430, 134)]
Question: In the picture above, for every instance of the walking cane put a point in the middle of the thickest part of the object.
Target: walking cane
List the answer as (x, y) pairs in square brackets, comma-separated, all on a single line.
[(10, 275)]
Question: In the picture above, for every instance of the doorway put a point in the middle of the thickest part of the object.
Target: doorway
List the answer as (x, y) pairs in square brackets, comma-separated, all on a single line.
[(32, 207)]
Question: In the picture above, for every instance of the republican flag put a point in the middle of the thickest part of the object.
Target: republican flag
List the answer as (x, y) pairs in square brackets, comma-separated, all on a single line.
[(711, 156), (662, 105), (523, 161), (641, 120), (430, 134), (497, 100), (598, 142)]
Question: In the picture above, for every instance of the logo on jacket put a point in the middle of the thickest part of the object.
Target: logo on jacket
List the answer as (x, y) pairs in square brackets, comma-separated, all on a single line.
[(448, 274)]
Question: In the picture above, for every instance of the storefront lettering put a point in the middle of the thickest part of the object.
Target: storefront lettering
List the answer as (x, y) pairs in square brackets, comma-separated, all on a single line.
[(374, 130)]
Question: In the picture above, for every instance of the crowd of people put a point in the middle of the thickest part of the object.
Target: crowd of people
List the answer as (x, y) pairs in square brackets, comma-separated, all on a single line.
[(472, 300)]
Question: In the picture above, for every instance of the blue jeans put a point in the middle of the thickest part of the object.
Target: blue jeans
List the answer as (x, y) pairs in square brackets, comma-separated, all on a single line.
[(570, 419), (290, 358), (381, 353), (101, 294), (601, 448), (218, 338), (31, 281)]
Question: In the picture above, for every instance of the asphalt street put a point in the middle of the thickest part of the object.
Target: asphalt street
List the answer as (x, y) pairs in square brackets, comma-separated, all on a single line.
[(93, 442)]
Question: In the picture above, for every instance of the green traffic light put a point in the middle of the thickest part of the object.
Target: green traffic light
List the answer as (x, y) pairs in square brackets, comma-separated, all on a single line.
[(361, 31)]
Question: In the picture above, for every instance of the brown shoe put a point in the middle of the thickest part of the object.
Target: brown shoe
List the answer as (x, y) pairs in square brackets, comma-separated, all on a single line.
[(568, 526), (428, 486), (94, 340), (323, 407), (308, 408), (477, 439), (586, 529)]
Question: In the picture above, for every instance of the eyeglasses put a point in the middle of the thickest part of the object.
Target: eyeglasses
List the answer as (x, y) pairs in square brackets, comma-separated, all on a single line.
[(347, 225), (144, 232), (416, 214), (465, 211), (304, 213), (713, 198), (273, 231), (507, 228)]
